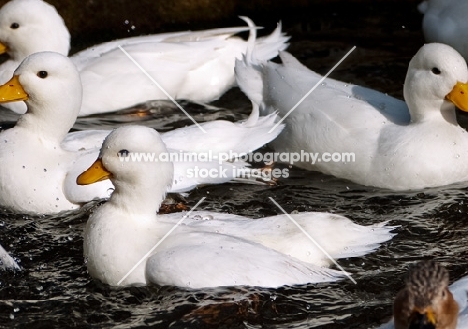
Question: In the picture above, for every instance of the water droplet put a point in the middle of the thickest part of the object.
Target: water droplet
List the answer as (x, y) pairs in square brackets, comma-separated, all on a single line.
[(12, 316), (16, 309), (207, 217), (197, 217)]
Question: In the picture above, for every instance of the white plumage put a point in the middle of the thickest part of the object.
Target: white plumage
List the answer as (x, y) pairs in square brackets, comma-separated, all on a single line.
[(207, 249), (196, 66), (396, 145)]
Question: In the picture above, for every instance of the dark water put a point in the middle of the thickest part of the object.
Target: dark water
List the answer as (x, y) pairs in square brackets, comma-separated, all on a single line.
[(54, 289)]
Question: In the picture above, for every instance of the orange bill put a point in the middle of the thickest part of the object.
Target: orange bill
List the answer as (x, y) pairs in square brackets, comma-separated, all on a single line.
[(459, 96), (12, 91), (96, 173), (3, 48), (425, 319)]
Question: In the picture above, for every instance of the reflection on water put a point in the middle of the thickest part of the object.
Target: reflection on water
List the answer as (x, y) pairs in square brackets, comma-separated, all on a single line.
[(54, 289)]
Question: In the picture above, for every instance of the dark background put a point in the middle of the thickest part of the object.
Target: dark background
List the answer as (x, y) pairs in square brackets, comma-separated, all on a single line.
[(54, 289)]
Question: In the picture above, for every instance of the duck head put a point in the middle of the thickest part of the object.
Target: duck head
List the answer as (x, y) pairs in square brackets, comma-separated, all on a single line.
[(51, 87), (426, 302), (436, 81), (136, 160), (30, 26)]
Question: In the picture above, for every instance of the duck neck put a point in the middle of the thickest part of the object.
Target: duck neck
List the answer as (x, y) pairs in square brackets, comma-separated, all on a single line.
[(138, 199), (434, 111), (54, 133), (50, 120)]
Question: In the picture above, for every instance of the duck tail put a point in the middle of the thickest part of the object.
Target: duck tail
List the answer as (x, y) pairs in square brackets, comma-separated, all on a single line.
[(262, 132), (252, 37), (249, 69), (249, 75), (265, 47), (269, 46), (375, 235)]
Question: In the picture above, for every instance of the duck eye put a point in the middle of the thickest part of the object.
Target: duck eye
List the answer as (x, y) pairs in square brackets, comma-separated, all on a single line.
[(42, 74), (435, 70), (123, 153), (14, 25)]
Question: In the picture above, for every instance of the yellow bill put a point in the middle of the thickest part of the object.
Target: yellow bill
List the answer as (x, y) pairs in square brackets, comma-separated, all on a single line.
[(459, 96), (96, 173), (12, 91), (3, 48)]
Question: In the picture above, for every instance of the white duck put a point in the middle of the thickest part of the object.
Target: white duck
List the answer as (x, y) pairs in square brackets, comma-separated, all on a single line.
[(7, 262), (39, 163), (207, 249), (197, 66), (427, 302), (445, 22), (390, 144)]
